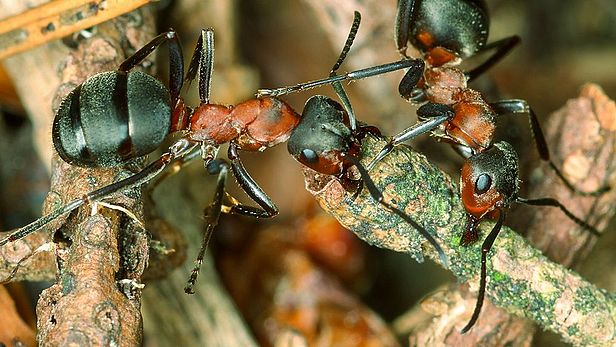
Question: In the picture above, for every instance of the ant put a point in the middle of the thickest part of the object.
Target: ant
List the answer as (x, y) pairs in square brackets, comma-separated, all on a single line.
[(116, 116), (446, 32), (328, 139)]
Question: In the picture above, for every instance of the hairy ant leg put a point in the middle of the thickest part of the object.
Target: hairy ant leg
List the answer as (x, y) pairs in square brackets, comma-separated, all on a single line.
[(202, 60), (431, 115), (503, 47), (211, 213), (268, 208), (349, 76), (555, 203), (179, 149)]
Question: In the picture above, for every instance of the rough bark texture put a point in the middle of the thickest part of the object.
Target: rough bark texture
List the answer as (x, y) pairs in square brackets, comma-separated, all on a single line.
[(548, 228), (582, 135), (521, 280), (98, 247)]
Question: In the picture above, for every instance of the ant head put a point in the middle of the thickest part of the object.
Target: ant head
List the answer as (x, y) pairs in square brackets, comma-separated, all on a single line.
[(322, 136), (489, 180), (459, 26)]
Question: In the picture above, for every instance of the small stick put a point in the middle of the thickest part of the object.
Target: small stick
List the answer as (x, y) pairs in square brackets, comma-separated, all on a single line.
[(56, 19)]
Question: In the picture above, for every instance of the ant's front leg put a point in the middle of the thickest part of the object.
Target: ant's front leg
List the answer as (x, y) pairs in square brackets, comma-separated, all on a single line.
[(433, 116)]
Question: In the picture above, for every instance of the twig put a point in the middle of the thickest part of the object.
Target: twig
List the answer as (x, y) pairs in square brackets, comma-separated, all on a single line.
[(56, 19), (582, 129), (520, 279), (100, 247)]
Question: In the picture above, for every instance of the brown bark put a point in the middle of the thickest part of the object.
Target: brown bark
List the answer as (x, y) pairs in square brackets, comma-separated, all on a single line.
[(101, 246)]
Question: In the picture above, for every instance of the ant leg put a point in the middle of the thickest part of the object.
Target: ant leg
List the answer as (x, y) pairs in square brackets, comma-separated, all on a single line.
[(268, 208), (517, 106), (404, 13), (175, 167), (212, 214), (342, 95), (176, 60), (485, 249), (555, 203), (179, 149), (434, 115), (407, 88), (349, 76), (503, 47), (378, 196), (203, 61)]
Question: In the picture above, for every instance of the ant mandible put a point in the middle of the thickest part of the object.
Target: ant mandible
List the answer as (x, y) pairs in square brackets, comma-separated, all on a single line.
[(446, 32), (117, 116)]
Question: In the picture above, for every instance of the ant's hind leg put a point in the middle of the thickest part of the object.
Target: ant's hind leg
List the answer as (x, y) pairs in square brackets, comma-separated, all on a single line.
[(211, 214)]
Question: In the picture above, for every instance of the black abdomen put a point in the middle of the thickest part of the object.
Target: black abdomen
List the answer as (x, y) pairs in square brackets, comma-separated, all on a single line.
[(111, 118), (458, 25)]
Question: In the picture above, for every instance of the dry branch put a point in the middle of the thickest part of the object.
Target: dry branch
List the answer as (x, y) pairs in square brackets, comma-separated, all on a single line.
[(589, 117), (521, 280), (56, 19), (101, 256), (98, 247)]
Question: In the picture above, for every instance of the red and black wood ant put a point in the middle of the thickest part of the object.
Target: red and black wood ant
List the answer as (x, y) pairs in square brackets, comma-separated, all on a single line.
[(446, 32), (117, 116)]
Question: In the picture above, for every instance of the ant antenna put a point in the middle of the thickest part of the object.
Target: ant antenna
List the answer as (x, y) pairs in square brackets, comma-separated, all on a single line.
[(342, 95)]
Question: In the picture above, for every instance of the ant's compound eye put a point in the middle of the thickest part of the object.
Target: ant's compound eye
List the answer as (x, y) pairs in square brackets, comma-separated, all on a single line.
[(309, 156), (483, 183)]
